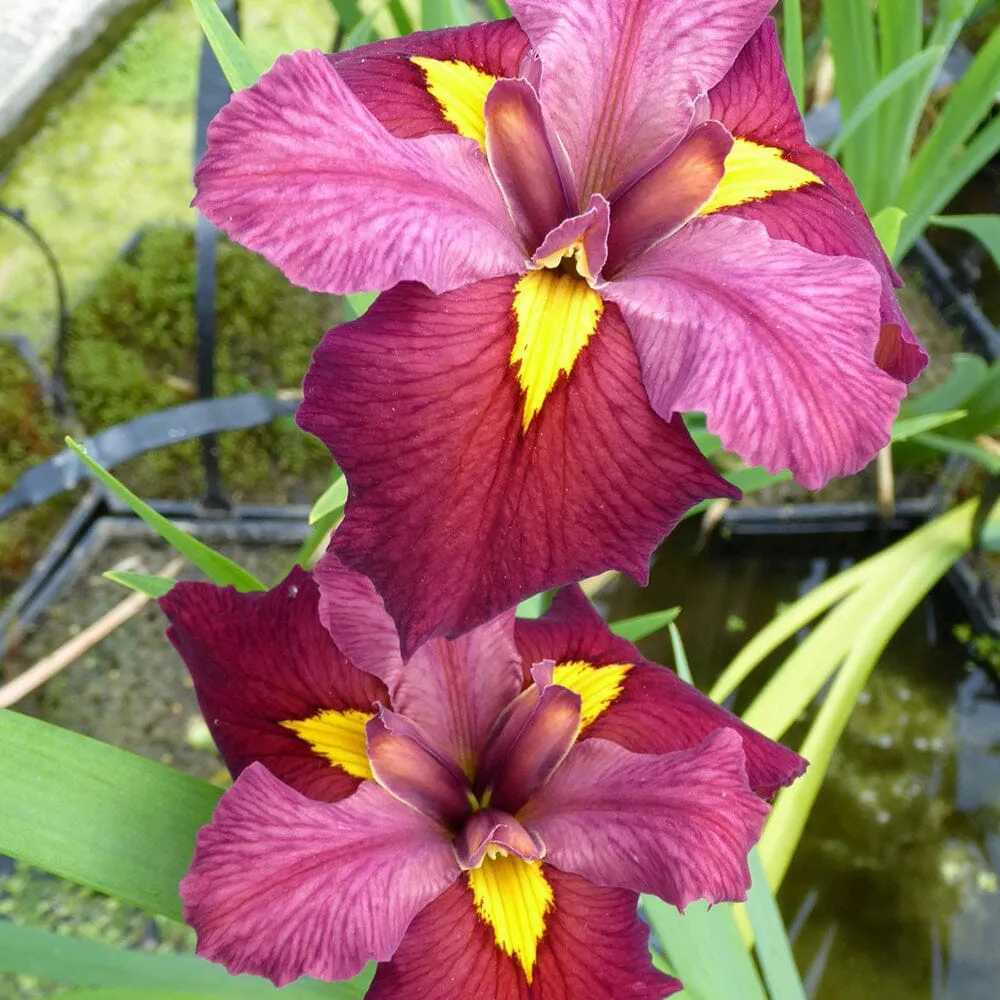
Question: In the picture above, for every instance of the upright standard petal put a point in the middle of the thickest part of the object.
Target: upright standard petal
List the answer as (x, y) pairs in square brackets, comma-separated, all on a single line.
[(456, 510), (593, 946), (262, 663), (775, 343), (452, 690), (755, 102), (620, 77), (402, 81), (300, 171), (640, 705), (283, 887), (678, 825)]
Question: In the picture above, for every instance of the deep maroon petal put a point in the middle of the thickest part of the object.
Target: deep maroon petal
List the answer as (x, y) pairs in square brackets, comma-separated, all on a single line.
[(595, 948), (452, 689), (774, 343), (394, 89), (655, 712), (492, 828), (755, 101), (407, 768), (282, 886), (455, 512), (670, 194), (523, 159), (261, 659), (299, 170), (620, 79), (678, 825)]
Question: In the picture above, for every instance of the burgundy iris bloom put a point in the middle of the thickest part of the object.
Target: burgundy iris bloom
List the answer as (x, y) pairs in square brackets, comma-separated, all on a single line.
[(480, 822), (584, 222)]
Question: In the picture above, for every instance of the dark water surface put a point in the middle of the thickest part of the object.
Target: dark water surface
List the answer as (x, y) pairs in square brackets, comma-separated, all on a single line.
[(893, 891)]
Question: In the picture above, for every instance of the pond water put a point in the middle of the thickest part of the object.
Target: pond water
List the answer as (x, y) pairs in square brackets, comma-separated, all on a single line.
[(893, 891)]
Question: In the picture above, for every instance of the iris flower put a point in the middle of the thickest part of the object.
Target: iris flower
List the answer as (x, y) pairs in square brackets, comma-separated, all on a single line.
[(584, 222), (479, 822)]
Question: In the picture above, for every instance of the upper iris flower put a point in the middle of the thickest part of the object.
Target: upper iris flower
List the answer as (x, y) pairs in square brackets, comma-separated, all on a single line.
[(480, 821), (585, 221)]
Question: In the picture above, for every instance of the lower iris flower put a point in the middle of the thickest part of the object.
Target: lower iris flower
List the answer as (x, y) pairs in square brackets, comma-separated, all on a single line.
[(584, 223), (480, 822)]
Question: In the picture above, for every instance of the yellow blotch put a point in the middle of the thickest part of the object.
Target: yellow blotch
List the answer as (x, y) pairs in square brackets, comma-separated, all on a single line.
[(597, 687), (460, 91), (337, 736), (753, 172), (513, 897), (557, 313)]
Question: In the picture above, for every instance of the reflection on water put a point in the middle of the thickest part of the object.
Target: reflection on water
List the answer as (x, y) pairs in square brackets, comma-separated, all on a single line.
[(892, 893)]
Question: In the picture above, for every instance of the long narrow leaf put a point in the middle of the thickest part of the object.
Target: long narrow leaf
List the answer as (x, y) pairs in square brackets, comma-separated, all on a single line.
[(349, 14), (985, 228), (229, 49), (793, 48), (70, 961), (97, 815), (142, 583), (641, 626), (400, 17), (216, 567), (774, 951), (886, 89)]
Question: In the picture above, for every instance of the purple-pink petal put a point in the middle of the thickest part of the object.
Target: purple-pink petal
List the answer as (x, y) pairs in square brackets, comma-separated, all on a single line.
[(669, 195), (452, 689), (589, 230), (524, 161), (492, 828), (282, 886), (405, 766), (678, 825), (620, 78), (300, 171), (775, 343)]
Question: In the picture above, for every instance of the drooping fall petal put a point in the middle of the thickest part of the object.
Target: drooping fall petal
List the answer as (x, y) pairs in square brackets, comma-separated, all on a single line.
[(755, 102), (282, 886), (453, 690), (775, 343), (456, 510), (300, 171), (678, 825), (650, 710), (393, 77), (620, 78), (593, 947), (261, 661)]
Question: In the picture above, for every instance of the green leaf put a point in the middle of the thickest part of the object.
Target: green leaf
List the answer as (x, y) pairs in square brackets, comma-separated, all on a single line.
[(774, 950), (904, 428), (361, 34), (349, 14), (883, 91), (968, 372), (435, 14), (226, 44), (887, 225), (359, 303), (536, 605), (332, 499), (793, 49), (97, 815), (220, 570), (680, 655), (705, 950), (152, 586), (755, 478), (498, 9), (985, 228), (640, 626), (400, 17), (956, 446), (69, 961)]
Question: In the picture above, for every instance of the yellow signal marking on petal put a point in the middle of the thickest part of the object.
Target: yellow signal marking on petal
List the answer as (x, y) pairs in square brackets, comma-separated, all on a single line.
[(753, 172), (513, 897), (337, 736), (556, 313), (598, 687), (460, 91)]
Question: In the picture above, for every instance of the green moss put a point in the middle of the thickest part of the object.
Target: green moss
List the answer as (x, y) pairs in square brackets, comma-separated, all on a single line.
[(28, 433), (133, 351)]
